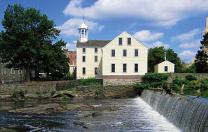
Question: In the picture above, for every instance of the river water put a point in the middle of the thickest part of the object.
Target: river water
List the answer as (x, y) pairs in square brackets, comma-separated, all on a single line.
[(130, 115)]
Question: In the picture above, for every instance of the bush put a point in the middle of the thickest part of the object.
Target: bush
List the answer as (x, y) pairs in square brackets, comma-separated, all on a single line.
[(177, 84), (18, 94), (190, 77), (71, 76), (154, 77), (152, 80), (90, 81)]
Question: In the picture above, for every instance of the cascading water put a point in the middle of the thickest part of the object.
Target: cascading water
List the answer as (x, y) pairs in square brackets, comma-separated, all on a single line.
[(117, 115), (189, 113)]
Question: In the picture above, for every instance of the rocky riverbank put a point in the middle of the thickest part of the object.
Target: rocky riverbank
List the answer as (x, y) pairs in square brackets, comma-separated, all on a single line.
[(63, 100)]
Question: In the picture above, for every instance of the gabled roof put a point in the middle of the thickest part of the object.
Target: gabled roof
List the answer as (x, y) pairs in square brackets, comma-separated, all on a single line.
[(139, 42), (166, 61), (97, 43)]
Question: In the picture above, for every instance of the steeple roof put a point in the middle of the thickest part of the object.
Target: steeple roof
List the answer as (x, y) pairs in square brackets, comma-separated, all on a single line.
[(83, 26)]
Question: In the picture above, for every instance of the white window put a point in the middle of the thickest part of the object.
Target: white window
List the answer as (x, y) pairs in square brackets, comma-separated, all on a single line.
[(83, 59), (124, 52), (136, 52), (12, 71), (83, 70), (124, 67), (113, 68), (135, 67), (96, 70), (113, 53), (96, 50), (19, 71), (96, 58), (129, 41), (120, 41), (83, 50)]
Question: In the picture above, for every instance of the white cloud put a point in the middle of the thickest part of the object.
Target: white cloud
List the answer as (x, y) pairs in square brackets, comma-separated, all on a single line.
[(156, 44), (191, 44), (71, 46), (161, 12), (159, 44), (70, 27), (147, 35), (187, 55), (188, 36)]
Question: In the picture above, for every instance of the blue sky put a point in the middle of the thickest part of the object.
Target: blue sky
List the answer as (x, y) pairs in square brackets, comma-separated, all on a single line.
[(176, 24)]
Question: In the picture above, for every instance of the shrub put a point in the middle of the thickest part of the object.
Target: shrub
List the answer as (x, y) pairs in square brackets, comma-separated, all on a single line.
[(180, 81), (190, 77), (152, 80), (155, 77), (204, 85), (90, 81), (18, 94), (141, 86), (99, 93), (177, 84), (70, 76)]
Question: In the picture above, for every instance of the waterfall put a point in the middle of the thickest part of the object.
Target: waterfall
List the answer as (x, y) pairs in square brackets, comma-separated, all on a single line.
[(188, 113)]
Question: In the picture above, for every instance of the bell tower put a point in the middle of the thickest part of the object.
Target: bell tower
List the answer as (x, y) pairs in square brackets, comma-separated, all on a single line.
[(83, 33)]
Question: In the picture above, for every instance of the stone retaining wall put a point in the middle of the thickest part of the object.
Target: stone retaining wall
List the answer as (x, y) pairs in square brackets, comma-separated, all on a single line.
[(33, 89), (198, 75)]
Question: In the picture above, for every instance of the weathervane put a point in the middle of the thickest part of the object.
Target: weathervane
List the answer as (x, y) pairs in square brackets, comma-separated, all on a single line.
[(165, 56)]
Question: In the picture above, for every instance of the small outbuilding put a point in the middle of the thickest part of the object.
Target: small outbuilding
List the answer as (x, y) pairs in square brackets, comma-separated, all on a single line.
[(165, 67)]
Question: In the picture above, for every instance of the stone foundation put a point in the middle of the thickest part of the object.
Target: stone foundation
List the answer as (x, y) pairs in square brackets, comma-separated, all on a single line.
[(118, 80)]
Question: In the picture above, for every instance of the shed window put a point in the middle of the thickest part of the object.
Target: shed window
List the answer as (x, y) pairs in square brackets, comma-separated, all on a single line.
[(166, 68)]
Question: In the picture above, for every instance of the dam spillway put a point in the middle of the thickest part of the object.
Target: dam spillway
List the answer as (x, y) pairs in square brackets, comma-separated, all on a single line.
[(188, 113)]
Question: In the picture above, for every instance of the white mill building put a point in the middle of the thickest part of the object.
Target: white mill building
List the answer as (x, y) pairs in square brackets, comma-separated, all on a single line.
[(123, 57)]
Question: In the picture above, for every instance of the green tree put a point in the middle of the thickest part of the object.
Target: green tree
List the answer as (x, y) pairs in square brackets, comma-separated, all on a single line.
[(54, 60), (201, 62), (156, 55), (189, 68), (26, 39)]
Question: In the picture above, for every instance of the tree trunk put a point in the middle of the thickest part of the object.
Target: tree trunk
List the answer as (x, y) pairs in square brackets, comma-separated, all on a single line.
[(27, 74), (37, 77), (48, 75)]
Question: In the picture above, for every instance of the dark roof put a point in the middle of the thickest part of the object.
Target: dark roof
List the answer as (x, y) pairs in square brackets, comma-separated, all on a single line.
[(98, 43)]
